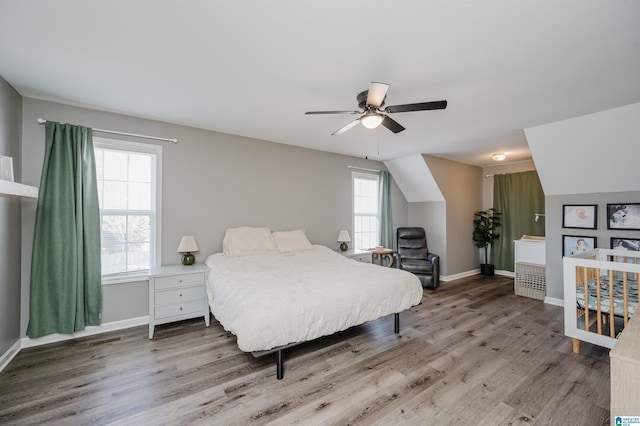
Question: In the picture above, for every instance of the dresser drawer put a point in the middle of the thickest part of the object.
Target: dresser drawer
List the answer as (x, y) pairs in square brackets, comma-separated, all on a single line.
[(179, 295), (179, 281), (366, 258), (190, 307)]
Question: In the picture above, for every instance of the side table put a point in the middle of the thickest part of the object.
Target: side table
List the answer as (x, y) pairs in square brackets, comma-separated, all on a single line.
[(379, 253), (176, 293)]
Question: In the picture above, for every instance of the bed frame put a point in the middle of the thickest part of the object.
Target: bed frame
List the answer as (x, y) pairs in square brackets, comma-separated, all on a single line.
[(588, 325), (280, 356)]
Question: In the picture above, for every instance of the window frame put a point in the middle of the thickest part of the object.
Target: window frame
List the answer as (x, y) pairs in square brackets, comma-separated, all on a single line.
[(156, 201), (368, 176)]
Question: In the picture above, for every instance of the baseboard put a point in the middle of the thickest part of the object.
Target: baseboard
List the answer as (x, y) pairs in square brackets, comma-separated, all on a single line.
[(504, 273), (6, 357), (460, 275), (554, 301), (27, 342), (473, 272)]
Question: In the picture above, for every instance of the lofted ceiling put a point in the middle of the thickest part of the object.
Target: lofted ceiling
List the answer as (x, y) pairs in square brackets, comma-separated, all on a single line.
[(253, 68)]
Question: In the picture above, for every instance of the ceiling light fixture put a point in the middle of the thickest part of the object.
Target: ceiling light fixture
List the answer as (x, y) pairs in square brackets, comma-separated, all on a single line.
[(499, 157), (371, 120)]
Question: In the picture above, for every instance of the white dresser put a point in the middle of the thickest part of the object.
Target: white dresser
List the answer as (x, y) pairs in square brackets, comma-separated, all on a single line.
[(531, 250), (176, 293)]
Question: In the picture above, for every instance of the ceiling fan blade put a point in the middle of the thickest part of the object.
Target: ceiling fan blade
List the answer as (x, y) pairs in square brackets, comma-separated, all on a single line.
[(332, 112), (422, 106), (377, 93), (347, 127), (392, 124)]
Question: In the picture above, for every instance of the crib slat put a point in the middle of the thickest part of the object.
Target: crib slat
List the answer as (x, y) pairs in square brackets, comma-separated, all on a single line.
[(612, 328), (598, 307), (586, 299), (625, 297)]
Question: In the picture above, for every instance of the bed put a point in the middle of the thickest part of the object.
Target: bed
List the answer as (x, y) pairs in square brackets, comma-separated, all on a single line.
[(600, 294), (275, 289)]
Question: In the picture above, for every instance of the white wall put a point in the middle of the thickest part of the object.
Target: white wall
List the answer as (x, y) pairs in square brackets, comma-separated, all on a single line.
[(594, 153)]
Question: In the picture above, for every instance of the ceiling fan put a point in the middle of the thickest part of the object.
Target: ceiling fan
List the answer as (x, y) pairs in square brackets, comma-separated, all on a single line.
[(371, 101)]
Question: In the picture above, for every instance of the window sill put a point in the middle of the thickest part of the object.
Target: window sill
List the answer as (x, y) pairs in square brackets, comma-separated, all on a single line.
[(129, 278)]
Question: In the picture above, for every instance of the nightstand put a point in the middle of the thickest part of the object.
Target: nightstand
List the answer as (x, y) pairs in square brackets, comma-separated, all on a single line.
[(176, 293), (357, 255)]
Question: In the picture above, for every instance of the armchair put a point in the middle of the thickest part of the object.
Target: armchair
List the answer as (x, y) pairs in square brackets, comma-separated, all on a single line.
[(413, 256)]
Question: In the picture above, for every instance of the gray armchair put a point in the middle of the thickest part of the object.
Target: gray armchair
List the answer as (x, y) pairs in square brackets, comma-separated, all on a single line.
[(413, 256)]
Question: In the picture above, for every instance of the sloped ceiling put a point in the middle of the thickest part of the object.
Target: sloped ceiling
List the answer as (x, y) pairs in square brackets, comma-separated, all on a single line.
[(414, 179), (595, 153)]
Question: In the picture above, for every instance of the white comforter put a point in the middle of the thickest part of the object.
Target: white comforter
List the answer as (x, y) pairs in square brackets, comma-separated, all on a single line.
[(275, 299)]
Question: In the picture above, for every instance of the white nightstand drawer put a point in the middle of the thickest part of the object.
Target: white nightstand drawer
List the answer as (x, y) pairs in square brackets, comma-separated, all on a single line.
[(179, 281), (194, 306), (177, 292), (179, 295), (366, 258)]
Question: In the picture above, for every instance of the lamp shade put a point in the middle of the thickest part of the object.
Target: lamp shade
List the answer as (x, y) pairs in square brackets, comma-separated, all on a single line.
[(343, 236), (188, 244)]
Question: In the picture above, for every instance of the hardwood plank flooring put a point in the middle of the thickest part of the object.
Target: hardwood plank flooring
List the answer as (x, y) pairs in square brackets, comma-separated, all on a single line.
[(471, 353)]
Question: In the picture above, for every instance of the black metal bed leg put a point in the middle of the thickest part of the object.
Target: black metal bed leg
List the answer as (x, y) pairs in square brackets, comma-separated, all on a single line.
[(279, 365), (396, 322)]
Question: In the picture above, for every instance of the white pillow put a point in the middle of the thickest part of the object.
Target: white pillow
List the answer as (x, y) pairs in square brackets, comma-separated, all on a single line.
[(292, 240), (248, 241)]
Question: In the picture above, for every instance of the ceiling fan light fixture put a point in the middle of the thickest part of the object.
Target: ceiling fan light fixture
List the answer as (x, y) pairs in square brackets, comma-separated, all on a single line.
[(499, 157), (371, 120)]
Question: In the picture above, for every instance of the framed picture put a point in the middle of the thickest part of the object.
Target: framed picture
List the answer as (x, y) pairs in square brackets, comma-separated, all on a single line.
[(623, 216), (572, 244), (580, 216), (626, 244)]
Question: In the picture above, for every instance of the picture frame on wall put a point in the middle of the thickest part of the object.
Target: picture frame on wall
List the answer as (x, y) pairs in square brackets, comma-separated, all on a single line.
[(580, 216), (574, 244), (623, 216), (625, 244)]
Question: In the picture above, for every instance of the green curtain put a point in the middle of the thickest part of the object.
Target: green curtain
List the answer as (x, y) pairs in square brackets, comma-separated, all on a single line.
[(518, 196), (384, 199), (66, 293)]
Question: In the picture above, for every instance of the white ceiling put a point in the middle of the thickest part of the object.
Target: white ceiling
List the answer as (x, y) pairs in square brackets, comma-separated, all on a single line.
[(253, 68)]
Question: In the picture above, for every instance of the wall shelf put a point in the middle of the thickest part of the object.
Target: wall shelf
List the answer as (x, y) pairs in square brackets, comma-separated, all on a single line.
[(14, 189)]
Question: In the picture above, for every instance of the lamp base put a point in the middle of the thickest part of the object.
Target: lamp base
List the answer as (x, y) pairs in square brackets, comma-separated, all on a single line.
[(344, 246), (188, 259)]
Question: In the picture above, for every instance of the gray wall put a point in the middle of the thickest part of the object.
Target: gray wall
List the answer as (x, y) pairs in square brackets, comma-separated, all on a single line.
[(10, 223), (211, 181), (461, 186), (432, 217), (554, 230)]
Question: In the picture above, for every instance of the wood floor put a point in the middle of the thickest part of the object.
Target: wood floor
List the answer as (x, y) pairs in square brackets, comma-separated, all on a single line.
[(472, 353)]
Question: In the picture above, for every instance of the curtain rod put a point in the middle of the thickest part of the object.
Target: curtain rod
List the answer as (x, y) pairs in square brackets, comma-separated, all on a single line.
[(113, 132), (362, 168)]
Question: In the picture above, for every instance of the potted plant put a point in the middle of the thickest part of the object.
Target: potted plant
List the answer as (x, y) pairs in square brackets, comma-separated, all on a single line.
[(484, 234)]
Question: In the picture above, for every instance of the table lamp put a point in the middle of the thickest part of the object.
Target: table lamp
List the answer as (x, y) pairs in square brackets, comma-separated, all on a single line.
[(343, 239), (187, 245)]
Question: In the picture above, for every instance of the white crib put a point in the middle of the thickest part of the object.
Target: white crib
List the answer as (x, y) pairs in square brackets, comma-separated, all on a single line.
[(600, 295)]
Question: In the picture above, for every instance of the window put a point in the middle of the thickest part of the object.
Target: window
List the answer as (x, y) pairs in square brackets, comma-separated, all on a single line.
[(128, 177), (365, 210)]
